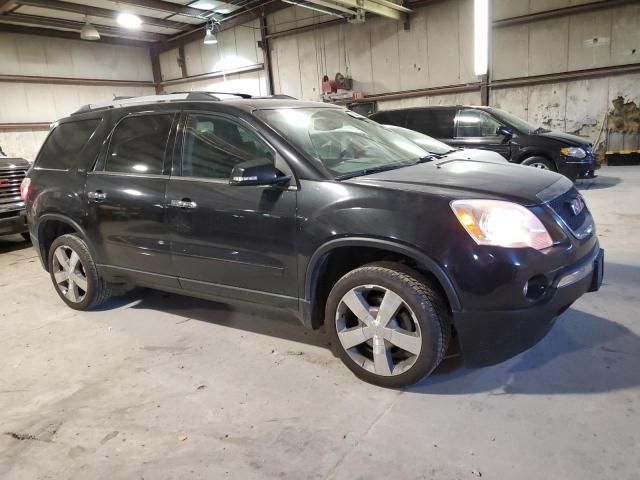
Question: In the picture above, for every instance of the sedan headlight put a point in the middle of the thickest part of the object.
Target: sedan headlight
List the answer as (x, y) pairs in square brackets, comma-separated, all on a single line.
[(501, 224), (575, 152)]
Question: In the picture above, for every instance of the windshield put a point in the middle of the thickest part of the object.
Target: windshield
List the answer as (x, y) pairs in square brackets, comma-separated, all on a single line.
[(520, 124), (431, 145), (347, 143)]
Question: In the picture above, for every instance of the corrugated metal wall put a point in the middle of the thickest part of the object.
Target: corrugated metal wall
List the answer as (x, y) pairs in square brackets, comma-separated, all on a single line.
[(58, 60)]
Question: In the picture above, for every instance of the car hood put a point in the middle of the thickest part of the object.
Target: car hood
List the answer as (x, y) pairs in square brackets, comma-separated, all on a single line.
[(476, 154), (566, 138), (461, 178)]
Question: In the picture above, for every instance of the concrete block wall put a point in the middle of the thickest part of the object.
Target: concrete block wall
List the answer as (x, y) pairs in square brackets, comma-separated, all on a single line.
[(47, 100)]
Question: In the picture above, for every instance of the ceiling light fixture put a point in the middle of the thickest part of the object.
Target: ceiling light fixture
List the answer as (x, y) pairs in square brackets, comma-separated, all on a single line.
[(89, 32), (210, 37), (129, 20)]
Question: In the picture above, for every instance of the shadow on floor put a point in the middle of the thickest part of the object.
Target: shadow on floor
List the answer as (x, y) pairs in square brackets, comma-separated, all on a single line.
[(254, 319), (597, 183), (583, 353), (11, 243)]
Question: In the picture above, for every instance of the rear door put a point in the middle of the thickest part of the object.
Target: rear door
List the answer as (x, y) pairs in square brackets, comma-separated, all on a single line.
[(231, 241), (435, 122), (478, 129), (126, 196)]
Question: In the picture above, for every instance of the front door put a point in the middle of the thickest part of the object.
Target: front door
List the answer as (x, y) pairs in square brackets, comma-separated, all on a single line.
[(126, 196), (230, 241), (478, 129)]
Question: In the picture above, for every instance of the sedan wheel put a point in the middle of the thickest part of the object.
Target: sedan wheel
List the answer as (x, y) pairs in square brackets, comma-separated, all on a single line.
[(69, 274)]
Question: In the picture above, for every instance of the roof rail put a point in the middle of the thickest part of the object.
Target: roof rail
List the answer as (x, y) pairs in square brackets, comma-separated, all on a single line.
[(214, 95), (163, 97)]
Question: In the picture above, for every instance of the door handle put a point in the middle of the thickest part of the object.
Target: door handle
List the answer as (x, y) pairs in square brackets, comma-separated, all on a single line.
[(185, 203), (98, 195)]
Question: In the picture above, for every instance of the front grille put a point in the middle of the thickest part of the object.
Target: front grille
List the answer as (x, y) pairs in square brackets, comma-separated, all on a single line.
[(562, 206), (10, 180)]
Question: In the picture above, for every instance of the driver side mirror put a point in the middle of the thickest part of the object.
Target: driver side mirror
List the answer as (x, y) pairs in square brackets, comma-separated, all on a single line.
[(505, 132), (257, 172)]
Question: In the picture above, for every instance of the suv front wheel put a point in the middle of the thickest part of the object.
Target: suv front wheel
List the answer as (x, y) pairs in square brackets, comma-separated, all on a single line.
[(387, 324), (74, 274)]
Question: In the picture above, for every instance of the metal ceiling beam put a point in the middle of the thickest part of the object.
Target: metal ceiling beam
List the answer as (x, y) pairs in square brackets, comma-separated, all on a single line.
[(332, 5), (166, 7), (49, 32), (71, 25), (99, 12), (233, 20), (377, 8)]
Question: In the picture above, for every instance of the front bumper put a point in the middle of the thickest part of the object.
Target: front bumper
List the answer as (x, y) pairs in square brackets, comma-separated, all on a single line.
[(13, 222), (490, 337), (574, 169)]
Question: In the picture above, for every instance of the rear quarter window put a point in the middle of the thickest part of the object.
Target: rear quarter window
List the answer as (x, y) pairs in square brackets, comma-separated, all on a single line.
[(437, 123), (65, 142)]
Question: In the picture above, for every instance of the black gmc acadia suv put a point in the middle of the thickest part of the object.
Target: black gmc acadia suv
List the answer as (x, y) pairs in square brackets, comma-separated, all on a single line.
[(315, 209)]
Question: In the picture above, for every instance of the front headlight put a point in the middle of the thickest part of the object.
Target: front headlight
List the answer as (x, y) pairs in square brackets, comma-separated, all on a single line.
[(575, 152), (501, 224)]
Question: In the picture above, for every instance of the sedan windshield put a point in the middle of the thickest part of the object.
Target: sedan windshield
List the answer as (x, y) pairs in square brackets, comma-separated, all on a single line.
[(519, 124), (346, 143)]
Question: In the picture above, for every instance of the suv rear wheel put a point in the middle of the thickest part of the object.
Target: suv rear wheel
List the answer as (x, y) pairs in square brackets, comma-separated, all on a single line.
[(74, 274), (387, 325)]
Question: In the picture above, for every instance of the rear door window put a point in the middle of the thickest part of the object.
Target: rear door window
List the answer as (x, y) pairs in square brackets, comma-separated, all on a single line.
[(476, 123), (64, 143), (138, 144), (437, 123)]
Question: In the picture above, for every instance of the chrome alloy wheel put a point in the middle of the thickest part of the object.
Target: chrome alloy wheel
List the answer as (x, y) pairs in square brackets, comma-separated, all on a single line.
[(69, 274), (540, 165), (378, 330)]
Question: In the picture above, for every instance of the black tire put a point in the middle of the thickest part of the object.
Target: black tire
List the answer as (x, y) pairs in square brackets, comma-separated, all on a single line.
[(98, 290), (429, 308), (539, 162), (26, 236)]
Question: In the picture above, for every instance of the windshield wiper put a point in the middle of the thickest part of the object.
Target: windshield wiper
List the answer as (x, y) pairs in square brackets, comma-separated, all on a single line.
[(540, 130), (368, 171)]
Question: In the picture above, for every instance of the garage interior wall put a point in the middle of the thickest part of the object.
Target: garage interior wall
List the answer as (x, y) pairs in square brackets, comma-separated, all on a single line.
[(602, 38), (234, 64), (380, 55), (437, 53), (63, 69)]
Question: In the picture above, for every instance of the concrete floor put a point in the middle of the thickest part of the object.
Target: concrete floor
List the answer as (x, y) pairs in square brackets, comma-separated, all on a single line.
[(160, 386)]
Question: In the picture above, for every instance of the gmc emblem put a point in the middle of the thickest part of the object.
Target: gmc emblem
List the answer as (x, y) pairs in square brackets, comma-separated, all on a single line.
[(577, 205)]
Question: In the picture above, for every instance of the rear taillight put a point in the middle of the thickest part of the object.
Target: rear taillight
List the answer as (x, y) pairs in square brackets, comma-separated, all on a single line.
[(25, 189)]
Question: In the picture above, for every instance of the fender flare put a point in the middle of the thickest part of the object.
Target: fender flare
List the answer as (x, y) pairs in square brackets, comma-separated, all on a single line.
[(422, 259), (63, 219)]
